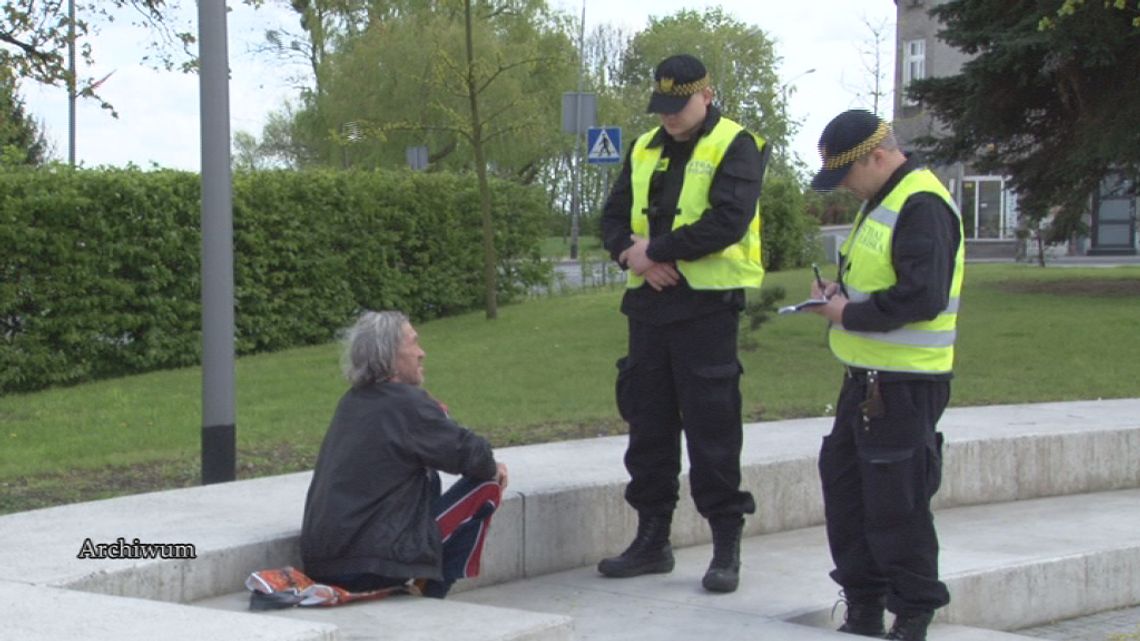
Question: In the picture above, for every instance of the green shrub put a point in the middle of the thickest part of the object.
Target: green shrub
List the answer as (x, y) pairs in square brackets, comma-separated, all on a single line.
[(788, 234), (100, 272)]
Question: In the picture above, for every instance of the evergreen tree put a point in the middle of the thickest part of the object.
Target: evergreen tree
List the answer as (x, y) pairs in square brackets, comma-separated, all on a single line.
[(1054, 105), (21, 141)]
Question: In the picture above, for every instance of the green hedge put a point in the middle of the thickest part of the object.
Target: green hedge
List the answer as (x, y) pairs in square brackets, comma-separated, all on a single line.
[(100, 270)]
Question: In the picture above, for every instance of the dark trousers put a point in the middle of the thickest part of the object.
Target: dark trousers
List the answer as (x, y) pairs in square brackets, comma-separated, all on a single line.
[(463, 514), (878, 478), (683, 377)]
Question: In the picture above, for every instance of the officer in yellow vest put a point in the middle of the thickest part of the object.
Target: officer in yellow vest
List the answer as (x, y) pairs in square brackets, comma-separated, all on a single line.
[(683, 219), (893, 314)]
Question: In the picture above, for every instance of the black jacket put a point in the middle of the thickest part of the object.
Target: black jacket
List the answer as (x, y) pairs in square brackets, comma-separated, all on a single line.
[(369, 504)]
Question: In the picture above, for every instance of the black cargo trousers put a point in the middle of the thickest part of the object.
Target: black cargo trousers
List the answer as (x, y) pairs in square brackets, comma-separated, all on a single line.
[(683, 377), (878, 477)]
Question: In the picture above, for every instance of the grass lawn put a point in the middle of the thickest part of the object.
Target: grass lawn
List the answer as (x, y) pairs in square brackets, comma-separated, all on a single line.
[(544, 371)]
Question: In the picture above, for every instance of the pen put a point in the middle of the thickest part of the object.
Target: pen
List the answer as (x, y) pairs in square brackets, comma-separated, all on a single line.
[(818, 278)]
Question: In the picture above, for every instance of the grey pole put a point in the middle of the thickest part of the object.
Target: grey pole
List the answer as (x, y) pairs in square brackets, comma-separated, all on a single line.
[(576, 182), (219, 433), (71, 82)]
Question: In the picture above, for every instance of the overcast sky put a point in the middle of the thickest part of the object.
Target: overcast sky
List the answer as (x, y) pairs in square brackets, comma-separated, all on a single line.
[(158, 110)]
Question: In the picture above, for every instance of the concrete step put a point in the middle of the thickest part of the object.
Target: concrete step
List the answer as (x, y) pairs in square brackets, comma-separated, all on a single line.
[(993, 454), (1009, 566), (564, 510), (410, 618), (37, 613)]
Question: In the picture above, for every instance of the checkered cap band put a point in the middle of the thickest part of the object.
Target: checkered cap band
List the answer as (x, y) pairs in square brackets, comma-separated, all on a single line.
[(845, 158), (666, 86)]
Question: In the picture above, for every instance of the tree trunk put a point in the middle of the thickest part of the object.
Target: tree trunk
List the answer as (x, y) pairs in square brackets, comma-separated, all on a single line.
[(489, 274)]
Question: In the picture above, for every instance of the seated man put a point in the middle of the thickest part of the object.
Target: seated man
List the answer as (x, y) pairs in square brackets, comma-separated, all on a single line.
[(374, 516)]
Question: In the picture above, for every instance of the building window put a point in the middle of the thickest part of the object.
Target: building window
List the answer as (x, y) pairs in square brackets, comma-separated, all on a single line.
[(989, 208), (914, 65)]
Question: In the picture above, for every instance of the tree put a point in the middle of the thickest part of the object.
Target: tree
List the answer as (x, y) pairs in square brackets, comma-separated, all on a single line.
[(283, 144), (323, 23), (873, 81), (477, 82), (21, 141), (741, 60), (1070, 7), (247, 154), (36, 36), (478, 79), (399, 84), (1055, 109)]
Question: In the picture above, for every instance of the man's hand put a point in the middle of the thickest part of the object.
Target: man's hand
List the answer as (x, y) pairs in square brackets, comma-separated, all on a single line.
[(836, 301), (662, 275), (833, 309), (635, 256), (658, 275), (501, 476), (828, 290)]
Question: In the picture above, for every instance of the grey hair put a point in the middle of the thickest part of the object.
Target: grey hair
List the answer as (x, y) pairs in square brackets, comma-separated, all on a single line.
[(370, 347), (890, 142)]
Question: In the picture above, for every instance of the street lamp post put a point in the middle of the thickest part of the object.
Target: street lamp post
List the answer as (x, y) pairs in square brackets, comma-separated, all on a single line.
[(71, 82), (219, 430), (788, 85), (784, 96)]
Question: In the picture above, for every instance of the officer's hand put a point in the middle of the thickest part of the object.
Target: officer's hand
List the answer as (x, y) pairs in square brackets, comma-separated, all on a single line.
[(635, 255), (662, 275), (623, 259), (829, 289), (833, 309)]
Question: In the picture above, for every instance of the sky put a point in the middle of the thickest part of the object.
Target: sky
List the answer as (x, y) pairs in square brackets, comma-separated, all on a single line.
[(819, 44)]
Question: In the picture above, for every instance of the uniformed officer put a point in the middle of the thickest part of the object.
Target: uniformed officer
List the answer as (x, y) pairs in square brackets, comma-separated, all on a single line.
[(893, 316), (683, 219)]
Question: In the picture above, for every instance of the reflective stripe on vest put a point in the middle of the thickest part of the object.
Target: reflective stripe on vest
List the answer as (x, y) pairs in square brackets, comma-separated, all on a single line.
[(923, 347), (738, 265)]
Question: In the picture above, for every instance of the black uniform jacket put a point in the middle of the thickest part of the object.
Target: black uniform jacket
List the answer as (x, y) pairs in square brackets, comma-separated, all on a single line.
[(369, 505)]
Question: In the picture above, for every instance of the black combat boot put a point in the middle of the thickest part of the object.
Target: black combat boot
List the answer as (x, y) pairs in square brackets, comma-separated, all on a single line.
[(910, 627), (649, 553), (864, 617), (723, 574)]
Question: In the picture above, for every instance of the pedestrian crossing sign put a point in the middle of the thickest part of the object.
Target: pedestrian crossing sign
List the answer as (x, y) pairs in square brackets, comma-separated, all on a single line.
[(603, 145)]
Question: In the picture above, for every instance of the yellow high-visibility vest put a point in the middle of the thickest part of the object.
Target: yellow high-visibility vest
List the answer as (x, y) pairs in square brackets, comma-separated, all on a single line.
[(735, 266), (924, 347)]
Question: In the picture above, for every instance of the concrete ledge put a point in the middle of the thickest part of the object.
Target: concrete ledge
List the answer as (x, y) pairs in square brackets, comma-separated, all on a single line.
[(565, 506), (34, 613), (233, 527), (414, 619), (992, 454)]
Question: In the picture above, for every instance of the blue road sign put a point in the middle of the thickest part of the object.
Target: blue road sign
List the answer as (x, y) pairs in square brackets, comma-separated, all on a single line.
[(603, 145)]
